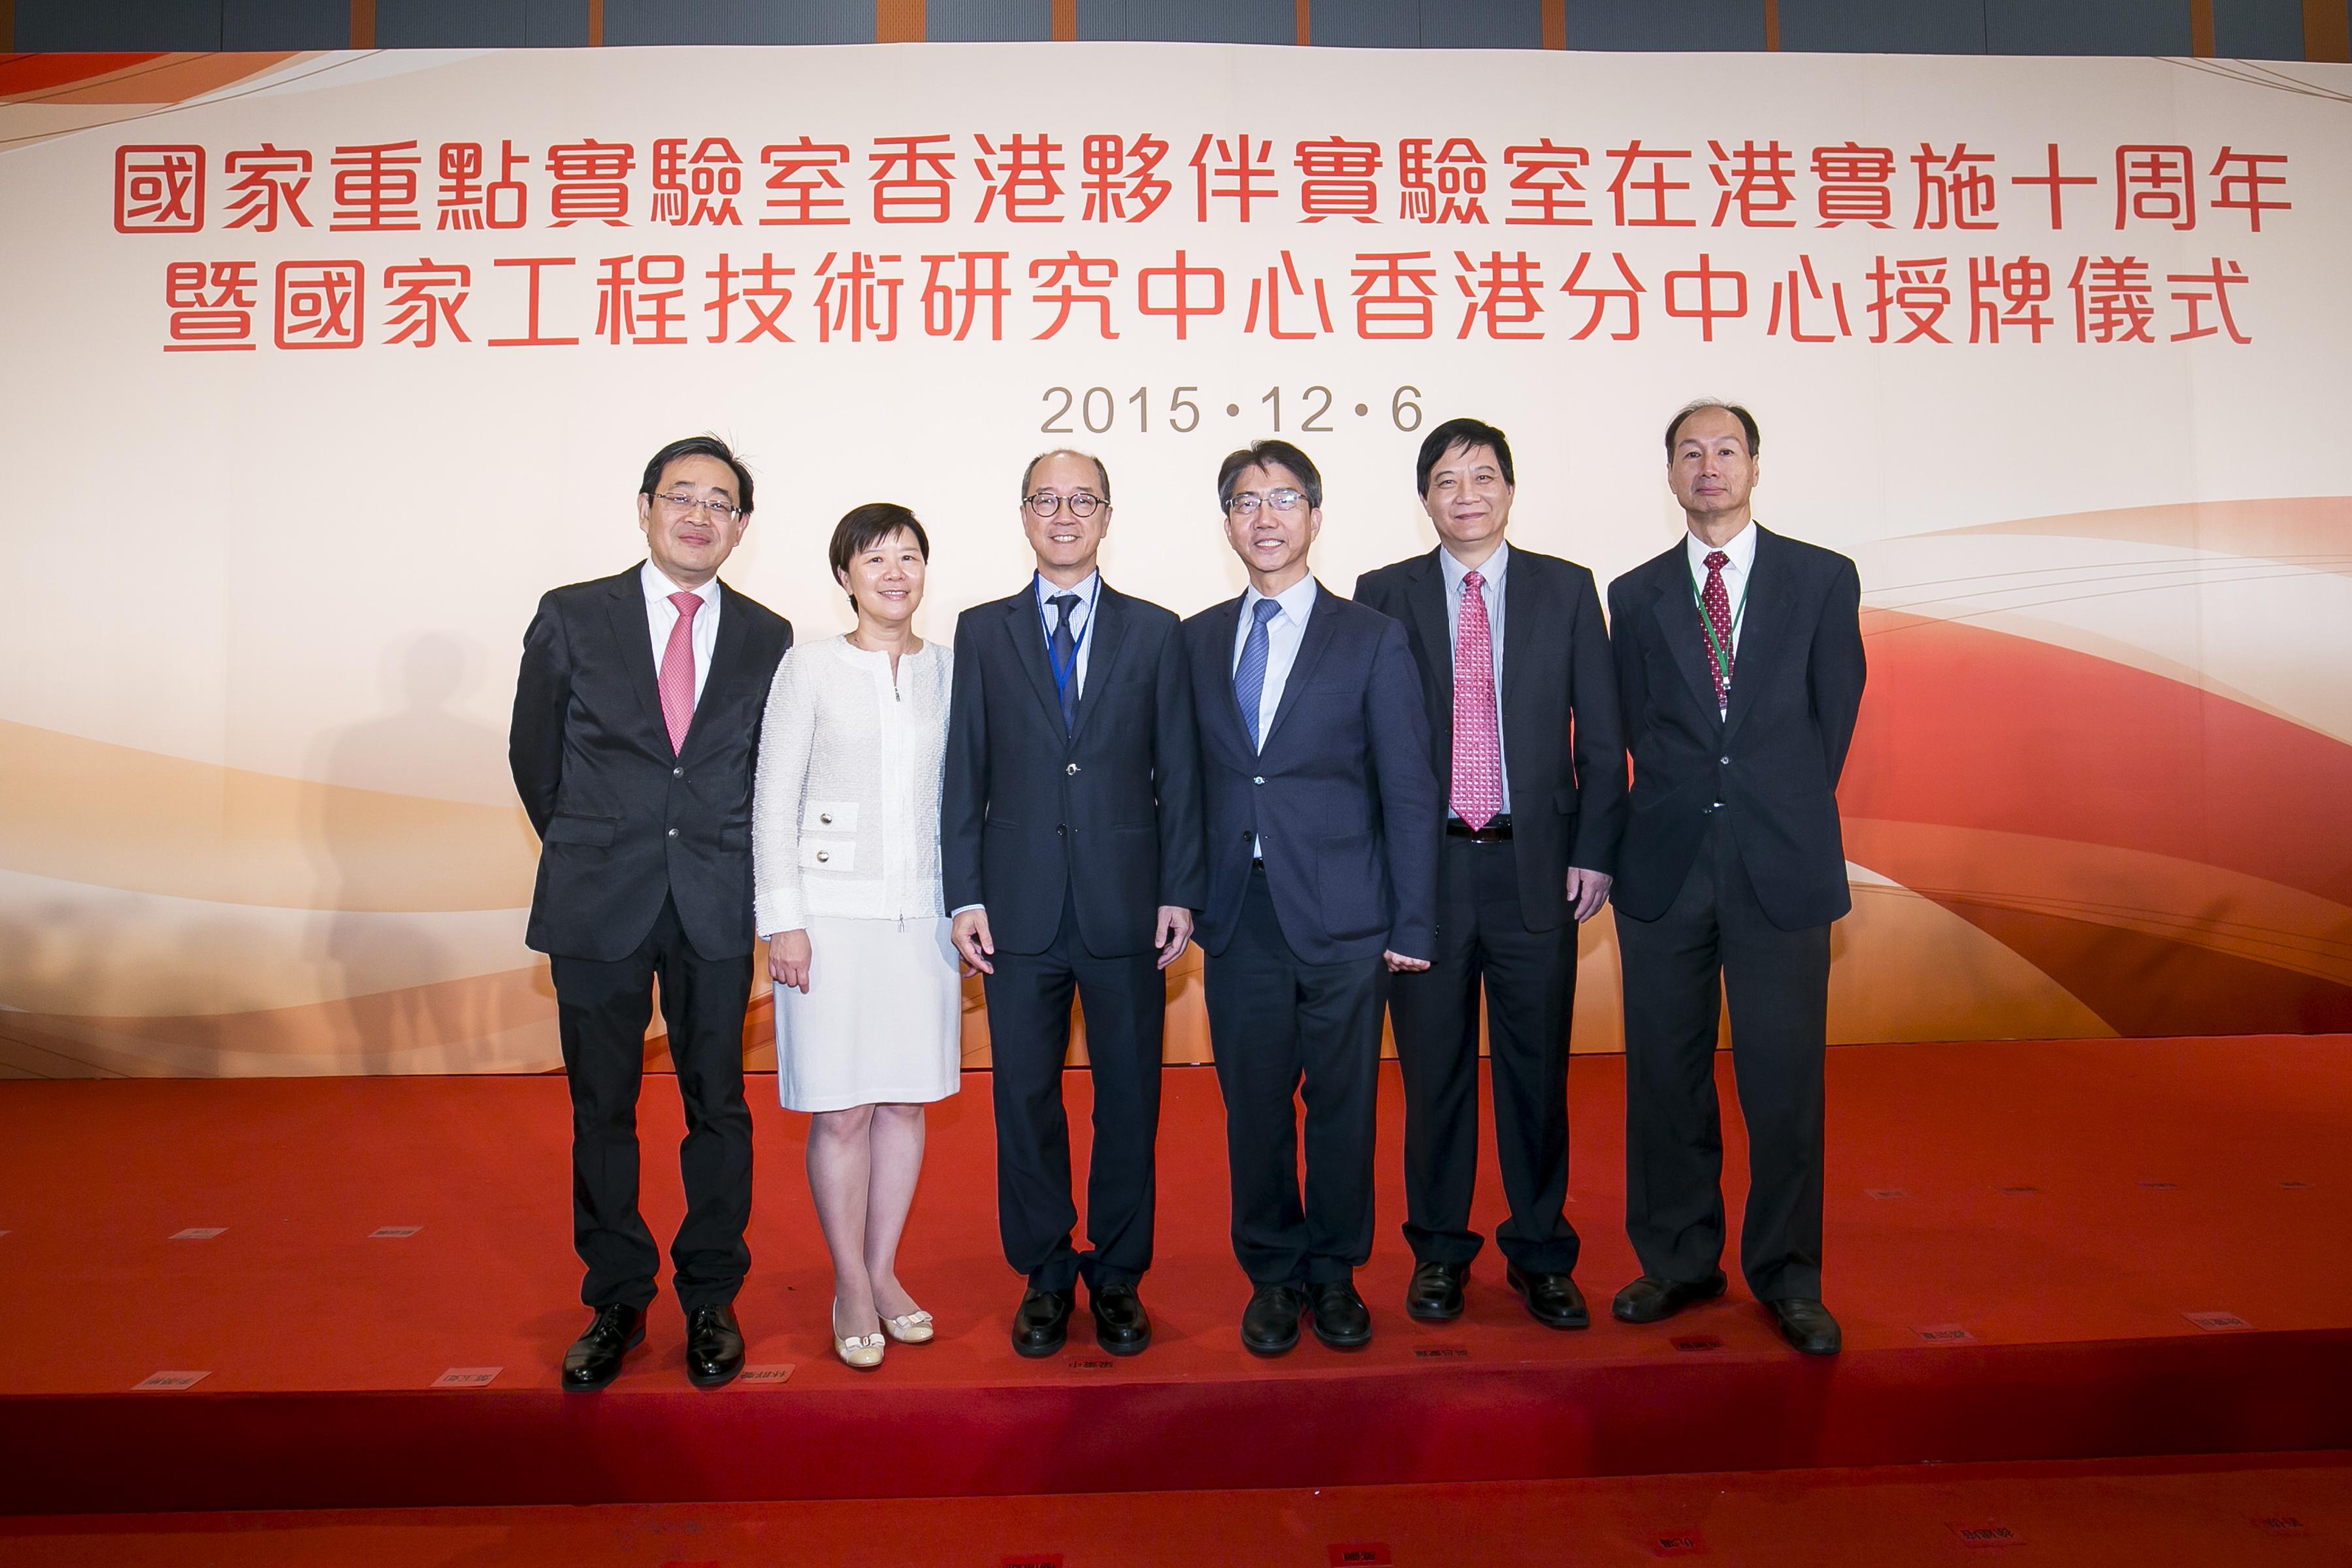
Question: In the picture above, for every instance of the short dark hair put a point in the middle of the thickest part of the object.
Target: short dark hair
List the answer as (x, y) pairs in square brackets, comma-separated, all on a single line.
[(1268, 454), (1747, 423), (862, 527), (1464, 433), (1100, 473), (699, 447)]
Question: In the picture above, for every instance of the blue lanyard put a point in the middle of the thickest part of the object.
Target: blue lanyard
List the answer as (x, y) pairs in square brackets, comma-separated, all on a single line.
[(1062, 675)]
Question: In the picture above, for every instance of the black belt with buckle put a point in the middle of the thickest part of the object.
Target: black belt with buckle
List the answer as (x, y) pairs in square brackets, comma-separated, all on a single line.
[(1497, 831)]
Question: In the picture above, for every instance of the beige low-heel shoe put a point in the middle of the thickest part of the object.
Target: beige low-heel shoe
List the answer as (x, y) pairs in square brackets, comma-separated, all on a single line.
[(863, 1351), (910, 1327)]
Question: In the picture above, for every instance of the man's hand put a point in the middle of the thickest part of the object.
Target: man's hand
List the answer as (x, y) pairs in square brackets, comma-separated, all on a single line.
[(1399, 964), (974, 943), (788, 960), (1172, 932), (1588, 890)]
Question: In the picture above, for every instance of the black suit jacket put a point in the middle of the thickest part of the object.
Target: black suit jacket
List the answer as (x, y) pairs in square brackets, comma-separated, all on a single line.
[(1563, 750), (1340, 793), (1108, 811), (1773, 759), (622, 821)]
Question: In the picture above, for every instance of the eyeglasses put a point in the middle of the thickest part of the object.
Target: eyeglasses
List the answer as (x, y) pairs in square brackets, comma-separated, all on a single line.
[(717, 509), (1246, 503), (1046, 503)]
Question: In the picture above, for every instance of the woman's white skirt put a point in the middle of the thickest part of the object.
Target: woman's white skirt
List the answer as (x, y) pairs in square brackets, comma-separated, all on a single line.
[(883, 1019)]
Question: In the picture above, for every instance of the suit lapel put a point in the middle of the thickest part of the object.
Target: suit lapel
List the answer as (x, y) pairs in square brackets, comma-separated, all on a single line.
[(632, 637), (1106, 632), (1424, 597), (1317, 638), (1025, 625), (1522, 624), (1677, 613), (1229, 618), (1763, 633)]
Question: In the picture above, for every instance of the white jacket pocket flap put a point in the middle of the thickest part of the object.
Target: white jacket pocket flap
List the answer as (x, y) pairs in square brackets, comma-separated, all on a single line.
[(828, 855), (829, 816)]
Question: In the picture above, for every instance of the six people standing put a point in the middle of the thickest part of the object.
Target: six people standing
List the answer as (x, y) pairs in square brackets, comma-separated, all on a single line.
[(1410, 799), (1072, 840)]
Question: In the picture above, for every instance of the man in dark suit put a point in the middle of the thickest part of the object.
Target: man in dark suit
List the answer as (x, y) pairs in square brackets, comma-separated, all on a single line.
[(1522, 706), (1070, 845), (1739, 672), (637, 721), (1322, 868)]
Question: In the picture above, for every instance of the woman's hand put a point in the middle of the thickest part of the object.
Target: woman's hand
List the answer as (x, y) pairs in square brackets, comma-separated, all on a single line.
[(788, 960)]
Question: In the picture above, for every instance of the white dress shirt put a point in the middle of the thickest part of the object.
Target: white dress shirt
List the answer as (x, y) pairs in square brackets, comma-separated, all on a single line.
[(1082, 619), (1284, 632), (1490, 589), (1742, 551), (1283, 635), (661, 616)]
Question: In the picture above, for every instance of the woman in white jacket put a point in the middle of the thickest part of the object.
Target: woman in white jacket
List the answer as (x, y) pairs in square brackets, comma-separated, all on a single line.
[(845, 854)]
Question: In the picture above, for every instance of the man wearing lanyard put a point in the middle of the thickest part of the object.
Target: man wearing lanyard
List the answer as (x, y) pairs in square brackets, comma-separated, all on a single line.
[(1739, 672), (1070, 844)]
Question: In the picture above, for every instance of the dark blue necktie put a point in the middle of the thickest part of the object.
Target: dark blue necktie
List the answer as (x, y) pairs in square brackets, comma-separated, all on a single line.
[(1066, 658), (1249, 675)]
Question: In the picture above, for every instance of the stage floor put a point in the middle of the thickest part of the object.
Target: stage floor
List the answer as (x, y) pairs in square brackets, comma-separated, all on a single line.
[(2037, 1251)]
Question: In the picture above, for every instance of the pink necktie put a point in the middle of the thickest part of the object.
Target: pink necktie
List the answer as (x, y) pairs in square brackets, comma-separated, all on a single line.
[(1718, 613), (1477, 748), (677, 671)]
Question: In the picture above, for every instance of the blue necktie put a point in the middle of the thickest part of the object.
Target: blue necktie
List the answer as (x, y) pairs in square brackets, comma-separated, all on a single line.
[(1249, 675), (1066, 659)]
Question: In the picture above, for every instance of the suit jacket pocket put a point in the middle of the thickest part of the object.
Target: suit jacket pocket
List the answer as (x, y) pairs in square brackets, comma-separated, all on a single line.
[(1348, 875), (828, 855), (564, 828)]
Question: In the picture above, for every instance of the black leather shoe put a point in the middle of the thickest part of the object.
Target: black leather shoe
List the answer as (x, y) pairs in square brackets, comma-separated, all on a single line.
[(1041, 1321), (1341, 1319), (1435, 1294), (714, 1345), (594, 1358), (1650, 1300), (1121, 1325), (1270, 1321), (1552, 1300), (1807, 1324)]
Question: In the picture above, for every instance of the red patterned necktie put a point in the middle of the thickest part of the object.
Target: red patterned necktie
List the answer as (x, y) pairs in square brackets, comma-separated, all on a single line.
[(677, 671), (1477, 748), (1718, 615)]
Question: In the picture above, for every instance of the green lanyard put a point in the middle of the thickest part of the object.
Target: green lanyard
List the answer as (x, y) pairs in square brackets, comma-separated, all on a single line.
[(1718, 648)]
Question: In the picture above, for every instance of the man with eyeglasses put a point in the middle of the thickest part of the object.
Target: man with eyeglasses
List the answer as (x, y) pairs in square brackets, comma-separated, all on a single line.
[(637, 721), (1322, 868), (1522, 702), (1070, 842)]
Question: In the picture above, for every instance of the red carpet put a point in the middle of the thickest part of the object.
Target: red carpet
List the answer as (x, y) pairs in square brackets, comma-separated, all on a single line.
[(2213, 1513), (2019, 1236)]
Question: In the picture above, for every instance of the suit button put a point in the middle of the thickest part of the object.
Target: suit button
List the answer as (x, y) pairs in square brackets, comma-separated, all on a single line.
[(1724, 760), (825, 817), (1257, 781), (1071, 769), (678, 772), (1245, 835), (673, 833), (1060, 831), (822, 855)]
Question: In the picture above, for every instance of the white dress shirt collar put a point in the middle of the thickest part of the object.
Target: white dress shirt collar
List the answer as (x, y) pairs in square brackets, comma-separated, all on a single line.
[(1297, 601), (658, 588), (1490, 571), (1741, 547)]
